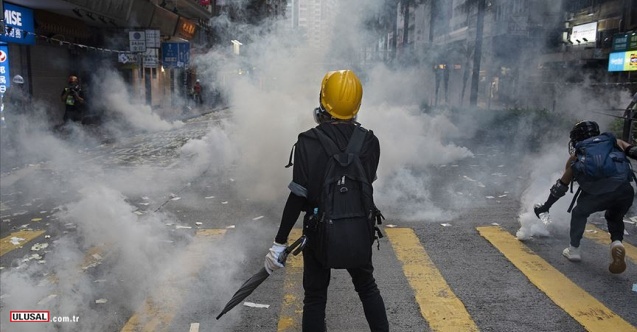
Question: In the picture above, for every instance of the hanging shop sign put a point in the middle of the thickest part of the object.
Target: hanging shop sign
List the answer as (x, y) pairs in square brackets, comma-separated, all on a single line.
[(622, 61), (185, 28), (625, 42), (5, 77), (584, 33), (18, 25)]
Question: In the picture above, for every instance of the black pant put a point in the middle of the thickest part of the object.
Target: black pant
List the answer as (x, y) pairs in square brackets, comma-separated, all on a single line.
[(72, 113), (616, 204), (316, 279)]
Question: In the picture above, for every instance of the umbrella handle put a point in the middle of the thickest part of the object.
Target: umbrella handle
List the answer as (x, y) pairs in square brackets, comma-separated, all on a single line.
[(300, 243)]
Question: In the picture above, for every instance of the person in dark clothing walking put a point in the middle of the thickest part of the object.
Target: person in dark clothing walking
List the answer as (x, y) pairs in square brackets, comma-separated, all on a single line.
[(73, 98), (612, 193), (340, 99), (196, 93)]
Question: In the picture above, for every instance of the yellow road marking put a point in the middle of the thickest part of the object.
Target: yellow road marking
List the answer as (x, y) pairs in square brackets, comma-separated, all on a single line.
[(438, 304), (159, 309), (584, 308), (603, 237), (7, 246), (292, 308)]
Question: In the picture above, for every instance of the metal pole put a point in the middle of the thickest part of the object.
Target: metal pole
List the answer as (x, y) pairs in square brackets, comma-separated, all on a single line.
[(149, 88)]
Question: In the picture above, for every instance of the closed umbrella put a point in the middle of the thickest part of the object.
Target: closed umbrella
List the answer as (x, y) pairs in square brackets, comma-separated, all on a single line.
[(251, 284)]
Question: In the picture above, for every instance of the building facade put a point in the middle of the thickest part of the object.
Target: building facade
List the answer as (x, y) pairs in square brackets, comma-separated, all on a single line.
[(525, 47), (59, 38)]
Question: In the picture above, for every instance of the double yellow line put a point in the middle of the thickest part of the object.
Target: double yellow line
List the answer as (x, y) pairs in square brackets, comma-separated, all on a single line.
[(7, 244), (588, 311)]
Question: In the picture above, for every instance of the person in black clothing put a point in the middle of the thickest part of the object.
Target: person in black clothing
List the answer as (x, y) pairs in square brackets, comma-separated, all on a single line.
[(73, 98), (340, 99), (614, 195), (16, 101)]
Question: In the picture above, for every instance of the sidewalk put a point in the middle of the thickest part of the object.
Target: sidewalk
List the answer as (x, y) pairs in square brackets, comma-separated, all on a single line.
[(14, 163)]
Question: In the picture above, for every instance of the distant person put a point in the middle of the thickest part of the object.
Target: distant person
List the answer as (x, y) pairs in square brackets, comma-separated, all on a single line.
[(16, 99), (73, 99), (603, 186), (197, 93), (340, 98), (16, 102)]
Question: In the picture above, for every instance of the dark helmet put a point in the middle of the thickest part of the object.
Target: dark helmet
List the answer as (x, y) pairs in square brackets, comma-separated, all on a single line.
[(583, 130)]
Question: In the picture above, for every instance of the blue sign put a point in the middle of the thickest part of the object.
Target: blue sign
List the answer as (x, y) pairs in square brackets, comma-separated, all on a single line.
[(175, 55), (5, 77), (18, 21), (616, 61)]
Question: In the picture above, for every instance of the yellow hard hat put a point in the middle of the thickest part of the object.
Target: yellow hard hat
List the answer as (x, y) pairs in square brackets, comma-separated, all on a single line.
[(341, 94)]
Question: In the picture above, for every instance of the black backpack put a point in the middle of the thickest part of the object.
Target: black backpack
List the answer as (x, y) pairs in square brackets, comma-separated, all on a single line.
[(346, 217)]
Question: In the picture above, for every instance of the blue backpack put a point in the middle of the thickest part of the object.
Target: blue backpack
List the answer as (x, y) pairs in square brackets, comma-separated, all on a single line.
[(601, 166)]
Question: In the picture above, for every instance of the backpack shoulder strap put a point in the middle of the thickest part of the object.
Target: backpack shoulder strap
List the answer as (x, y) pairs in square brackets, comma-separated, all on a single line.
[(356, 141), (327, 143), (579, 191)]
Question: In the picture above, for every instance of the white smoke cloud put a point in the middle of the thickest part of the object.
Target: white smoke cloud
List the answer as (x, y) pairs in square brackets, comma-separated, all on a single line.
[(271, 88)]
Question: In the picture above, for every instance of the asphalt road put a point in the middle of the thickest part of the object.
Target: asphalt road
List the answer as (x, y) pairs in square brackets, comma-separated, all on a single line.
[(169, 259)]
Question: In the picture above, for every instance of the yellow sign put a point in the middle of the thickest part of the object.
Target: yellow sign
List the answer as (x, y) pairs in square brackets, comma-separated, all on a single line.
[(186, 28)]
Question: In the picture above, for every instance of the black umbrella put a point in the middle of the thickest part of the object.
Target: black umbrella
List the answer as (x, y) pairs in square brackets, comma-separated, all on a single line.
[(251, 284)]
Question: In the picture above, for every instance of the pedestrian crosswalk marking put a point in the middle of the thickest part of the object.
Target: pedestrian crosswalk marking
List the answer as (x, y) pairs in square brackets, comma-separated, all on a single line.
[(17, 240), (583, 307), (159, 309), (438, 304), (292, 308), (603, 237)]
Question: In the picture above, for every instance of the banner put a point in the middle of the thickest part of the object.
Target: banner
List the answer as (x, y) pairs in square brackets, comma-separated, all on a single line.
[(18, 23), (623, 61)]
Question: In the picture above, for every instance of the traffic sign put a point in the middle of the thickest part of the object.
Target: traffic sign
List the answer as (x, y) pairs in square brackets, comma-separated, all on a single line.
[(175, 55), (137, 41)]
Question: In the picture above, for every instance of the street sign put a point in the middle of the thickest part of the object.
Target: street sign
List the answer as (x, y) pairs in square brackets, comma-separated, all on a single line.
[(5, 77), (127, 58), (175, 55), (151, 58), (137, 41), (18, 21), (152, 39)]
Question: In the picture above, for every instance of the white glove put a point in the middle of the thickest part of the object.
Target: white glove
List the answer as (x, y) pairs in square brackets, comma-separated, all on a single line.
[(272, 258)]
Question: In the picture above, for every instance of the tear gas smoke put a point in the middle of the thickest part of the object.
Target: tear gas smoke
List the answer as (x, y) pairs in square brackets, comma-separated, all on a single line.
[(272, 87)]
